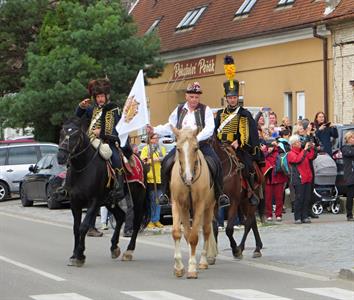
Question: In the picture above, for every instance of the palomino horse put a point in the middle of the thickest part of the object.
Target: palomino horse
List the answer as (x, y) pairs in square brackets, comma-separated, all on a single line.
[(86, 182), (238, 194), (192, 197)]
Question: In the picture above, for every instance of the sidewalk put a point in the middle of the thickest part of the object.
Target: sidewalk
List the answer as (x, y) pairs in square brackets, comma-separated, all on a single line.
[(325, 247)]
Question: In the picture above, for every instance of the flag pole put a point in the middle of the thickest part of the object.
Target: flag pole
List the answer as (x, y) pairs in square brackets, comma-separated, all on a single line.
[(151, 154)]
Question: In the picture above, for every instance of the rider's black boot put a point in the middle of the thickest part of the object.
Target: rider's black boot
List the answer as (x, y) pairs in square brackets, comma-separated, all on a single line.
[(223, 199), (253, 199), (166, 168), (118, 189)]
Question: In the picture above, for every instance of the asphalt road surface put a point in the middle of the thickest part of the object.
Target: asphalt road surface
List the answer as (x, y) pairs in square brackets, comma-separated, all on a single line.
[(35, 245)]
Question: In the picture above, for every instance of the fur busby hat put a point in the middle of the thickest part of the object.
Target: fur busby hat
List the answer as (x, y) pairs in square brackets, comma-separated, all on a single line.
[(194, 88), (231, 86), (99, 86)]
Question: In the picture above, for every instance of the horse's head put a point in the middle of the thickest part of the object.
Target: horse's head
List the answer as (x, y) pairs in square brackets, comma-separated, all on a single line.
[(71, 136), (187, 153)]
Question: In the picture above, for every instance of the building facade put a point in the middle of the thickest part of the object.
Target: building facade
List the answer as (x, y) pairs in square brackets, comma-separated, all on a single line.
[(286, 53)]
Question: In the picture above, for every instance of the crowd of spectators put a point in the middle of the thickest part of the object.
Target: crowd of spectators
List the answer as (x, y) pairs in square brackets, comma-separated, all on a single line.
[(296, 146)]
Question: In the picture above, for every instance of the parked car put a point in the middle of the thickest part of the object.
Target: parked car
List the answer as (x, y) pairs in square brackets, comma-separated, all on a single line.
[(167, 142), (337, 156), (42, 182), (15, 158)]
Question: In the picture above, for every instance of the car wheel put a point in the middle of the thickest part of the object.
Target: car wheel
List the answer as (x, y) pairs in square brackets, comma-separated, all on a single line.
[(4, 191), (51, 203), (335, 207), (317, 208), (25, 202)]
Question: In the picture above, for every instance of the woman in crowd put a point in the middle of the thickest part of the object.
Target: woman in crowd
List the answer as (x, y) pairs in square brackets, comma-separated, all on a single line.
[(299, 160), (275, 181), (325, 132), (348, 161)]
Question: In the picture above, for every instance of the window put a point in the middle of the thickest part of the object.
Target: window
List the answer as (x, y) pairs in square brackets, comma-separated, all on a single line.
[(288, 105), (285, 2), (153, 26), (246, 7), (22, 155), (48, 150), (191, 18), (2, 156), (300, 105)]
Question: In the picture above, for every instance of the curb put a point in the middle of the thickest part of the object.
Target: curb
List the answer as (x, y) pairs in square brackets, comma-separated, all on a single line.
[(346, 274)]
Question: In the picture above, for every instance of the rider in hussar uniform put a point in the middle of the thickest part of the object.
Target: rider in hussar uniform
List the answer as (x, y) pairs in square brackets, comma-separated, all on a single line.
[(103, 116), (235, 125), (192, 114)]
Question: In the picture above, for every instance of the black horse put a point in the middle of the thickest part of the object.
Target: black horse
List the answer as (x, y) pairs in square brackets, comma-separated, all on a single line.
[(88, 187)]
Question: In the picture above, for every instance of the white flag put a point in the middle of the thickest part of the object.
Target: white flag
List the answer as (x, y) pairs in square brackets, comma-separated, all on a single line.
[(135, 112)]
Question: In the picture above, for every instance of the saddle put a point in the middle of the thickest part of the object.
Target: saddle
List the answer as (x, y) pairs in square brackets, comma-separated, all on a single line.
[(212, 168)]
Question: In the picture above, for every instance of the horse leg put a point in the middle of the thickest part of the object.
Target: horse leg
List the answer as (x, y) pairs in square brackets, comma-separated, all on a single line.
[(233, 213), (210, 245), (177, 234), (119, 217), (77, 213), (248, 224), (193, 242), (259, 245)]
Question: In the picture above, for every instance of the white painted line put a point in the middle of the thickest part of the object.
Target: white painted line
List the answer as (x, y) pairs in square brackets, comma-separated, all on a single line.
[(248, 294), (335, 293), (36, 220), (246, 263), (184, 249), (66, 296), (156, 295), (34, 270)]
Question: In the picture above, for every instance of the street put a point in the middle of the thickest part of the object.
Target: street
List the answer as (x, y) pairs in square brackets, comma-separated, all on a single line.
[(36, 244)]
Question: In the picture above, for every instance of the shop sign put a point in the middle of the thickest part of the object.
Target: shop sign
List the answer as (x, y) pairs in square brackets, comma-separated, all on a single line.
[(191, 68)]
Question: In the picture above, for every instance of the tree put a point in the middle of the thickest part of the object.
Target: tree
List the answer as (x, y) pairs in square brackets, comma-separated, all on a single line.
[(20, 22), (77, 43)]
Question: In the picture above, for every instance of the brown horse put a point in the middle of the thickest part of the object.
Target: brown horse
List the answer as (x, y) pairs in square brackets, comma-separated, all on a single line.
[(192, 196), (238, 193)]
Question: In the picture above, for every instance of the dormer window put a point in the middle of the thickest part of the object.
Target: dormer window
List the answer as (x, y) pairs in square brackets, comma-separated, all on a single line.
[(285, 2), (191, 18), (153, 26), (245, 8)]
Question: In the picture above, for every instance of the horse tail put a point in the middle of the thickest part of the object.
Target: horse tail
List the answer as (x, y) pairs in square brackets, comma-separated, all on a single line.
[(212, 247), (146, 215)]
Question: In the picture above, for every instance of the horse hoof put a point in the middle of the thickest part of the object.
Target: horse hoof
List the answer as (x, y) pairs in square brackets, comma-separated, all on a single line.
[(203, 266), (237, 254), (115, 253), (73, 262), (179, 273), (256, 254), (192, 275), (127, 256), (211, 260)]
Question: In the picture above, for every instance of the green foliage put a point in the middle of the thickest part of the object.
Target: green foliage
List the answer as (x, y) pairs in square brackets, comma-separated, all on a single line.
[(79, 41), (19, 22)]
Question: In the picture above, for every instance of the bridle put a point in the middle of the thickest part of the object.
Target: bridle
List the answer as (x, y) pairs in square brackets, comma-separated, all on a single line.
[(65, 144), (197, 163)]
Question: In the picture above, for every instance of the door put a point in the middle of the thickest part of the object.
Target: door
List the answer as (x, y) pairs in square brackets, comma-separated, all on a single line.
[(19, 159)]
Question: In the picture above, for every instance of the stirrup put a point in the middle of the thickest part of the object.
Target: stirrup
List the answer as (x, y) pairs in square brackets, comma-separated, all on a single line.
[(254, 200), (223, 200), (163, 199)]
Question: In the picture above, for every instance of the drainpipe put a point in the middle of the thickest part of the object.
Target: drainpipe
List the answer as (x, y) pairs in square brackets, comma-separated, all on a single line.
[(325, 68)]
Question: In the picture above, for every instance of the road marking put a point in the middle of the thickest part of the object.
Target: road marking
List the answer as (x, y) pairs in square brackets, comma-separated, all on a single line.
[(335, 293), (35, 220), (34, 270), (185, 249), (156, 295), (248, 294), (66, 296)]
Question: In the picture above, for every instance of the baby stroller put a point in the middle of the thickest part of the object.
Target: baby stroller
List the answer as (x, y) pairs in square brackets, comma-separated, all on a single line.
[(325, 192)]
